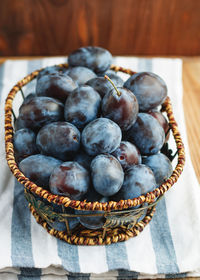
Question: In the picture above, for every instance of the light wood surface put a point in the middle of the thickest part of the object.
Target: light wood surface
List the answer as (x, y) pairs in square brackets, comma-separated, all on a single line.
[(191, 104)]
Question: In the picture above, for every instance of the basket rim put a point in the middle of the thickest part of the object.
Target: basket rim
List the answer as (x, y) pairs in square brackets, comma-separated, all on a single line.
[(149, 197)]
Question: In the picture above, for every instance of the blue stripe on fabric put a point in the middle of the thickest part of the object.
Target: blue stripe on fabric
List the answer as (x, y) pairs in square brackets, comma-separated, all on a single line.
[(165, 254), (116, 256), (21, 246), (69, 256)]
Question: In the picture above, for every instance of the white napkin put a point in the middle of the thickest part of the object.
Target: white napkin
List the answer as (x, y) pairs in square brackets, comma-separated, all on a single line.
[(168, 247)]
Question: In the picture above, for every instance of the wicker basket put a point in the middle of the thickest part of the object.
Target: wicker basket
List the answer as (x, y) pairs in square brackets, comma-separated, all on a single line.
[(122, 219)]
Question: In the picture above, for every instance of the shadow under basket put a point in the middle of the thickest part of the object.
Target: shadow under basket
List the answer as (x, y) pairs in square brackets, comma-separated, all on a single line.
[(123, 219)]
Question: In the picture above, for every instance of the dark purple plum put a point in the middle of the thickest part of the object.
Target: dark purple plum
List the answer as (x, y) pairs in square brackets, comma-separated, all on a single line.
[(24, 141), (19, 123), (149, 89), (107, 174), (162, 121), (82, 106), (70, 179), (147, 134), (95, 58), (127, 154), (160, 165), (117, 80), (81, 74), (38, 169), (56, 85), (121, 106), (95, 222), (83, 158), (28, 97), (101, 136), (59, 139), (101, 85), (55, 69), (39, 111), (139, 179)]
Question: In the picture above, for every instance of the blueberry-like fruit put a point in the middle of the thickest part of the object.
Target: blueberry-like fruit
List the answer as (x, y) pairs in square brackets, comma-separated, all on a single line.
[(82, 106), (127, 154), (149, 89), (147, 134), (162, 121), (94, 222), (39, 111), (59, 139), (24, 143), (101, 136), (121, 106), (70, 179), (160, 165), (81, 74), (56, 85), (83, 159), (55, 69), (139, 179), (95, 58), (101, 85), (107, 174), (38, 169)]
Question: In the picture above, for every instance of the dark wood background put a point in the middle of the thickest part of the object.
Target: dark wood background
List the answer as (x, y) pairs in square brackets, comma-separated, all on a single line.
[(125, 27)]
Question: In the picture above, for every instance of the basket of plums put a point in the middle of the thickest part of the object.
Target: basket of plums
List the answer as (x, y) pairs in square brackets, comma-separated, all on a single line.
[(91, 149)]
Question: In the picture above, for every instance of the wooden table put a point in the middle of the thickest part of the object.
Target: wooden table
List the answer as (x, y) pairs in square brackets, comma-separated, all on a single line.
[(191, 104)]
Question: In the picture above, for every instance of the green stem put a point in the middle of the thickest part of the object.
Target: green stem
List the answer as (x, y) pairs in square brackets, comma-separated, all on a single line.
[(118, 92)]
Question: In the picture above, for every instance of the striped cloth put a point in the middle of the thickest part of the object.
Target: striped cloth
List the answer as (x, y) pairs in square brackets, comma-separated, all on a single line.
[(168, 247)]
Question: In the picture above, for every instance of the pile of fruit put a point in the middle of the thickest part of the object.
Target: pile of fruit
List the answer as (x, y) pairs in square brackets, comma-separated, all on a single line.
[(88, 135)]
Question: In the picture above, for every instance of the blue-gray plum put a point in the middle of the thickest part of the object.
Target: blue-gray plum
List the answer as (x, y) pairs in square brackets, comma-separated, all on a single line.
[(127, 154), (101, 85), (58, 139), (149, 89), (162, 121), (55, 69), (107, 174), (121, 106), (117, 80), (95, 58), (24, 141), (147, 134), (70, 179), (139, 179), (82, 106), (101, 136), (81, 74), (39, 111), (160, 165), (28, 97), (83, 158), (38, 168), (56, 85), (94, 222)]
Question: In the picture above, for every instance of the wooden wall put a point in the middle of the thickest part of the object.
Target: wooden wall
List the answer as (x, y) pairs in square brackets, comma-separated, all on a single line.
[(125, 27)]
